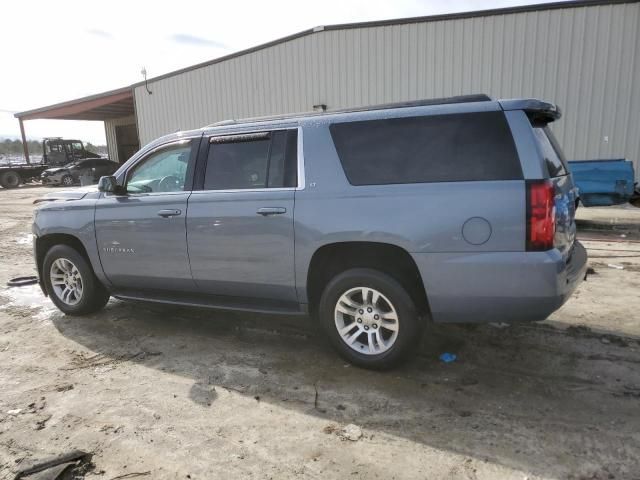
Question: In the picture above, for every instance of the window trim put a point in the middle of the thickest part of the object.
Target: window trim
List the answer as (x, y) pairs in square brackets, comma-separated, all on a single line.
[(172, 143), (299, 162)]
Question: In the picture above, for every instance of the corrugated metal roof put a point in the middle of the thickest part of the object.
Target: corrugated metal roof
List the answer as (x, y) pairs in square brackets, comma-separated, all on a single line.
[(400, 21), (346, 26)]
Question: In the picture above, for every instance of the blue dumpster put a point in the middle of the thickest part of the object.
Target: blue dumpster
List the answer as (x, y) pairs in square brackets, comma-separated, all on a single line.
[(603, 182)]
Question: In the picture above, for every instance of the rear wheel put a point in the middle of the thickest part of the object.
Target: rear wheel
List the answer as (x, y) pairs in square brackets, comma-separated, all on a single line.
[(370, 318), (67, 181), (71, 283), (10, 179)]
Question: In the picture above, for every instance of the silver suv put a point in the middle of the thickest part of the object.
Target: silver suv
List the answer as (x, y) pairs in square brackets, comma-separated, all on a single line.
[(372, 221)]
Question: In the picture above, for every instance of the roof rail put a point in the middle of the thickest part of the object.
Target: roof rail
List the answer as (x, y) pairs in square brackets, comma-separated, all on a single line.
[(480, 97)]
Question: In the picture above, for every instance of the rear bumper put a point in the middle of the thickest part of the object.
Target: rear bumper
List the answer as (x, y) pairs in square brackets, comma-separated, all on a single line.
[(501, 286)]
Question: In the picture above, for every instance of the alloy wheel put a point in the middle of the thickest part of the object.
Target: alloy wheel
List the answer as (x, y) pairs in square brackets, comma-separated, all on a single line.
[(66, 281), (366, 320)]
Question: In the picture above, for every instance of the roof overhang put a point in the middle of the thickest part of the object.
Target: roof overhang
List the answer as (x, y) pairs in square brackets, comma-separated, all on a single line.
[(102, 106)]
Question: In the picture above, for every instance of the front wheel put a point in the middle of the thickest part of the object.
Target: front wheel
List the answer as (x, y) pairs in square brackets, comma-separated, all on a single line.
[(67, 181), (71, 283), (369, 318)]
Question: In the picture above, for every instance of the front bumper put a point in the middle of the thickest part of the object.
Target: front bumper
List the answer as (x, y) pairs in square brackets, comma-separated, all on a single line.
[(499, 286), (50, 180), (34, 230)]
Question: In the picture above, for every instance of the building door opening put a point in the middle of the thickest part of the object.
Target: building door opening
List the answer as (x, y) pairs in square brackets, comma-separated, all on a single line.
[(127, 141)]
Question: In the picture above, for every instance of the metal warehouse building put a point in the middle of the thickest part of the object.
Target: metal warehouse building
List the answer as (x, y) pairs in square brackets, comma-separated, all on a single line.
[(582, 55)]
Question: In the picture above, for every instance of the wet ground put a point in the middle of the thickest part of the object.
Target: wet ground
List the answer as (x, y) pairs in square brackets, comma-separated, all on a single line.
[(183, 393)]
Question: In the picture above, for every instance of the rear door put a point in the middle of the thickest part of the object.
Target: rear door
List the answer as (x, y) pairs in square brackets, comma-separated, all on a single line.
[(565, 190), (240, 225)]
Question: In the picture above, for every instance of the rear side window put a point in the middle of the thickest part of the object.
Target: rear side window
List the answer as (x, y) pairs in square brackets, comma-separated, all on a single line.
[(438, 148), (553, 156), (261, 160)]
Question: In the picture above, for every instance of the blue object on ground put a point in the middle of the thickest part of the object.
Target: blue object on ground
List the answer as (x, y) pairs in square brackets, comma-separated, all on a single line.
[(448, 357), (603, 182)]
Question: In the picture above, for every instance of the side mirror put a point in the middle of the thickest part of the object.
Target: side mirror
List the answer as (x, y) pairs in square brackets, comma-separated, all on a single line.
[(109, 184)]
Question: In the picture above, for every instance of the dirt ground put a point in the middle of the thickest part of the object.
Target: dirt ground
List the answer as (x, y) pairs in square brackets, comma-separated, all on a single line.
[(176, 393)]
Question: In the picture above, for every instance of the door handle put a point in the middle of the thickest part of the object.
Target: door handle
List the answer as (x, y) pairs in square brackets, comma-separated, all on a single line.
[(169, 213), (264, 211)]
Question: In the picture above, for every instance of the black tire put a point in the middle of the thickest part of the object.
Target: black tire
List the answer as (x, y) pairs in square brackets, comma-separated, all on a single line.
[(10, 179), (67, 181), (410, 324), (94, 296)]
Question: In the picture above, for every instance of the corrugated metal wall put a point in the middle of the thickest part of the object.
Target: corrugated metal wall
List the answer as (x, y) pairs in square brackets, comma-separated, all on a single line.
[(110, 133), (585, 59)]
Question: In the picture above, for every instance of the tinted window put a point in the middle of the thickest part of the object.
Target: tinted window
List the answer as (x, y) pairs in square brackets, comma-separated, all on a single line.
[(91, 163), (162, 171), (553, 156), (264, 160), (81, 164), (439, 148)]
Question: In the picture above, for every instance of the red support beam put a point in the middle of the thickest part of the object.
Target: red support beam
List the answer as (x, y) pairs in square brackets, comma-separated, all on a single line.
[(78, 107), (25, 147)]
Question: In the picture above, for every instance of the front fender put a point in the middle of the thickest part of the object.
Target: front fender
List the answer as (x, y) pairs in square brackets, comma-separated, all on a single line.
[(71, 218)]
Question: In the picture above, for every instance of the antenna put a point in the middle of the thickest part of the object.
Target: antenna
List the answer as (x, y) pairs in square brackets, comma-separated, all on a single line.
[(146, 85)]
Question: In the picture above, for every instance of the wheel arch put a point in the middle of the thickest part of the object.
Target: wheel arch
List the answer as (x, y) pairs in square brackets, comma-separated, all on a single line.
[(44, 243), (330, 259)]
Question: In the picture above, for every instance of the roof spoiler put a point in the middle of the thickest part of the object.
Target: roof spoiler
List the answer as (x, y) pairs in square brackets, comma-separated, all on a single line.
[(537, 110)]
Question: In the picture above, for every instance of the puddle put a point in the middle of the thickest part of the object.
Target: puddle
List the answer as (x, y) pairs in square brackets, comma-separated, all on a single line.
[(30, 296), (25, 240)]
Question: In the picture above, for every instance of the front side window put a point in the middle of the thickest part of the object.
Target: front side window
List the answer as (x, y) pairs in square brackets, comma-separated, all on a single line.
[(252, 161), (164, 170)]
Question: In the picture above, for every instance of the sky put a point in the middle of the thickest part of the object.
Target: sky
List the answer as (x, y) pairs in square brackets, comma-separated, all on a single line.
[(53, 51)]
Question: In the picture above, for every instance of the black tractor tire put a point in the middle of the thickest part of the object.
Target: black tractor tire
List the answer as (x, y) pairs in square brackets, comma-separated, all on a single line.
[(10, 179)]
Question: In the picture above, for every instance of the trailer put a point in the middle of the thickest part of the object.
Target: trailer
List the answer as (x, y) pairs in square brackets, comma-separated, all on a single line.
[(11, 176), (56, 152)]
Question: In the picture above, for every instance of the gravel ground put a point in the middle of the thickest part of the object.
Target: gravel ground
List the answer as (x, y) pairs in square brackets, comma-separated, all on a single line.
[(182, 393)]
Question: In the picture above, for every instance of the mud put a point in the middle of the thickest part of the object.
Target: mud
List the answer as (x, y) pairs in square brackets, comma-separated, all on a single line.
[(186, 393)]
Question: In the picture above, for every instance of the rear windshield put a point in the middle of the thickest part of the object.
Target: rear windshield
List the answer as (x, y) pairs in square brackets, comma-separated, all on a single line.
[(553, 156), (436, 148)]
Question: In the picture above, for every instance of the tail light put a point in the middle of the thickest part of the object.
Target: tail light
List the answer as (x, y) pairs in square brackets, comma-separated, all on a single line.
[(541, 215)]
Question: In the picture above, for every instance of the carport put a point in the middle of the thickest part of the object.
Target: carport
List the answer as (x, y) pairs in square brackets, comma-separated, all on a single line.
[(115, 108)]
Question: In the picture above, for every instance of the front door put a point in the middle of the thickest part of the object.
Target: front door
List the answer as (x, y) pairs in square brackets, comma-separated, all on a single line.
[(240, 225), (142, 235)]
